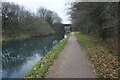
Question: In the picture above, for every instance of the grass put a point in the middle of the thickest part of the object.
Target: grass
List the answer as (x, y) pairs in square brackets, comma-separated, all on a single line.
[(41, 68), (104, 63), (16, 38)]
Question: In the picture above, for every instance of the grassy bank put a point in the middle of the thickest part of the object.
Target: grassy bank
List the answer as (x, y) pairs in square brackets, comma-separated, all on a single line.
[(41, 68), (14, 38), (18, 38), (104, 63)]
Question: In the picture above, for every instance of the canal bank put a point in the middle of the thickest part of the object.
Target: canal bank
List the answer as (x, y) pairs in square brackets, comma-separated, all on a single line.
[(41, 68)]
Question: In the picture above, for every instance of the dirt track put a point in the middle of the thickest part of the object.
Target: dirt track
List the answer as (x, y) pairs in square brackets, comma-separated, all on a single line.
[(72, 62)]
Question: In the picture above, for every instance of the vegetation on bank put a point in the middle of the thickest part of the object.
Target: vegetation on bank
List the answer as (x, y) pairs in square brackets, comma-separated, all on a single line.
[(41, 68), (104, 63), (17, 38), (99, 20), (19, 23)]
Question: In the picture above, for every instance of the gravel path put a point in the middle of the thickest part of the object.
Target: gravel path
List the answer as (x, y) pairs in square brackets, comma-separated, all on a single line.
[(72, 62)]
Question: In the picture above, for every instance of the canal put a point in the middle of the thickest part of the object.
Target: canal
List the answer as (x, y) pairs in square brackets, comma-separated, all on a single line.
[(19, 57)]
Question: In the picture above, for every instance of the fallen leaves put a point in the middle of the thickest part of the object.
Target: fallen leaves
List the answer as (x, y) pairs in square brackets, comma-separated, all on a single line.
[(104, 63)]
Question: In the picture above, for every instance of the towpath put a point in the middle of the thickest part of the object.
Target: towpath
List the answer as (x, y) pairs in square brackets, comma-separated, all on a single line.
[(72, 62)]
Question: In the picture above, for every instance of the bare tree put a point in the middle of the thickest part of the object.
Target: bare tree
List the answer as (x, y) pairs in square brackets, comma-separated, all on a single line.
[(50, 16), (16, 22), (42, 12), (96, 19)]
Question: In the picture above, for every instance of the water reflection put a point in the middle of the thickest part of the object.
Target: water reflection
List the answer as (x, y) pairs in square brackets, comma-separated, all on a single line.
[(19, 57)]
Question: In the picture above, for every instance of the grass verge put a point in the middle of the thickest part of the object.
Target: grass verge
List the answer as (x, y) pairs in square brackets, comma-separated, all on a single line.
[(17, 38), (42, 67), (104, 63)]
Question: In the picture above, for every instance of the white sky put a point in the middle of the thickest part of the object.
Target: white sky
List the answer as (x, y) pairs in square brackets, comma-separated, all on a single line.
[(55, 5)]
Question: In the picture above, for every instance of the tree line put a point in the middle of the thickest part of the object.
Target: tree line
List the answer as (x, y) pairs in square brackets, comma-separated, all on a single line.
[(98, 19), (18, 23)]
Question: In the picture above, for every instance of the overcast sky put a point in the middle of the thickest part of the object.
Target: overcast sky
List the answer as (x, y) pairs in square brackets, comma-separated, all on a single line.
[(55, 5)]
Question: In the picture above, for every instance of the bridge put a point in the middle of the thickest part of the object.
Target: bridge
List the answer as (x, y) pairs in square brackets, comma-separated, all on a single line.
[(67, 27)]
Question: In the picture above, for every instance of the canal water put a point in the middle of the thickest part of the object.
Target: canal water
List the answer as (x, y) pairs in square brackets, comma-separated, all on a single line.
[(19, 57)]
